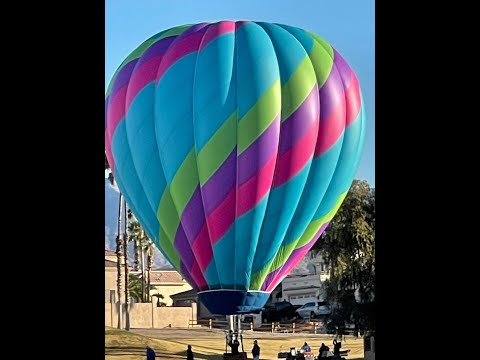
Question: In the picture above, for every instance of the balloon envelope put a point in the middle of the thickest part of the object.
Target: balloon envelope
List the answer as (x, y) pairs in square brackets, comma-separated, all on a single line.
[(234, 144)]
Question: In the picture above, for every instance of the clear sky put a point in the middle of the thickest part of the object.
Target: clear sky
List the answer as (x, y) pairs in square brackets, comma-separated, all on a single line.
[(349, 25)]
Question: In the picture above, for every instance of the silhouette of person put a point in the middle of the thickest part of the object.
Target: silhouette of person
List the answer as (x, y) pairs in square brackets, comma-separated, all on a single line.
[(322, 352), (150, 353), (189, 353), (306, 347), (336, 349), (256, 351), (234, 344)]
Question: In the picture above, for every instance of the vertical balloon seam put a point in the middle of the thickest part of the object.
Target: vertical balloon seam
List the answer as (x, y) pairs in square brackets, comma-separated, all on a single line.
[(167, 191), (267, 196), (257, 283), (282, 120), (285, 248), (235, 54), (181, 226), (127, 145), (266, 124), (212, 261), (173, 261)]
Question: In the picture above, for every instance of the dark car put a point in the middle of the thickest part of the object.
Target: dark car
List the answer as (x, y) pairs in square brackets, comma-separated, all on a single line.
[(278, 311)]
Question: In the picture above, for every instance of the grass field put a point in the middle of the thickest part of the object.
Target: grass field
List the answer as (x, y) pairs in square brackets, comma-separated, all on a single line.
[(209, 344)]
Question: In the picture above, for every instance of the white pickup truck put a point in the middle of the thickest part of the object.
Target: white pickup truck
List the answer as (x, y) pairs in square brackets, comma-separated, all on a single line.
[(312, 309)]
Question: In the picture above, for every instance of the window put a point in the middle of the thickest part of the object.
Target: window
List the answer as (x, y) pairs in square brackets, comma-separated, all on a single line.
[(309, 304)]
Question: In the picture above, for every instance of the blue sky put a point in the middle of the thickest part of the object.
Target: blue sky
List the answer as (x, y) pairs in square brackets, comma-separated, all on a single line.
[(349, 25)]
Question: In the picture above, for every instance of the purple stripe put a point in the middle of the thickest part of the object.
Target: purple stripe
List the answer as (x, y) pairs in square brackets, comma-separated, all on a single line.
[(293, 258), (194, 28), (332, 93), (259, 152), (183, 247), (123, 77), (193, 216), (343, 68), (158, 48), (186, 274), (220, 183), (299, 122)]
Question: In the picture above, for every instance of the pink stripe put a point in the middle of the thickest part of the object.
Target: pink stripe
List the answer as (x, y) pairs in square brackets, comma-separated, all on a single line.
[(179, 49), (141, 77), (300, 255), (292, 161), (108, 152), (330, 129), (216, 30), (116, 111), (354, 103), (251, 192), (202, 248), (197, 276), (220, 219)]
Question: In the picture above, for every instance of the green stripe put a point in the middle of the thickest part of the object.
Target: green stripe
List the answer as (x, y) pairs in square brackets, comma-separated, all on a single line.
[(321, 57), (167, 215), (285, 251), (217, 149), (167, 246), (184, 182), (297, 88), (259, 117), (177, 194), (144, 46)]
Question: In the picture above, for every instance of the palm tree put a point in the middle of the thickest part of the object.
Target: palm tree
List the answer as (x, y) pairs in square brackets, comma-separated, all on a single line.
[(125, 256), (149, 265), (118, 252), (135, 287)]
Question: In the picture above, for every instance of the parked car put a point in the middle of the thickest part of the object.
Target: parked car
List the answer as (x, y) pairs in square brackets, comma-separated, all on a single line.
[(312, 309), (278, 311)]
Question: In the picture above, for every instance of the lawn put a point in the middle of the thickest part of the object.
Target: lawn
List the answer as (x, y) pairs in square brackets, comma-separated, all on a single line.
[(209, 344)]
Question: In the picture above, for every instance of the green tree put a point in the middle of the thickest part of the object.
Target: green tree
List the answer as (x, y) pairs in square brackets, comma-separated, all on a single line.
[(135, 287), (348, 246)]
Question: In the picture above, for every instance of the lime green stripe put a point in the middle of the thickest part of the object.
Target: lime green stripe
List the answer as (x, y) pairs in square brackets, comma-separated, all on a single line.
[(144, 46), (177, 194), (317, 224), (217, 149), (321, 57), (185, 181), (167, 215), (259, 117), (285, 251), (167, 246), (297, 88)]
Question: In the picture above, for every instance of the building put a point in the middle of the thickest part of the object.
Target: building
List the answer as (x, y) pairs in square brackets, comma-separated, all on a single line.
[(305, 283), (167, 283), (186, 298)]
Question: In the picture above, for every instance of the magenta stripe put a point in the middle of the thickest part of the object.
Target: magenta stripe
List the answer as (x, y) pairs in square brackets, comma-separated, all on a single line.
[(332, 94), (122, 78), (182, 46), (343, 68), (292, 260), (259, 152), (299, 122), (220, 183), (216, 30), (185, 272)]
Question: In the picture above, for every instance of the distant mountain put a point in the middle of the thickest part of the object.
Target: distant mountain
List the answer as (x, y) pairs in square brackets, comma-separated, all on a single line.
[(111, 213)]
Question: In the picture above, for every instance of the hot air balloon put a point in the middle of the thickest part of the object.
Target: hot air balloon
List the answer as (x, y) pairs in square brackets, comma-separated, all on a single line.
[(234, 144)]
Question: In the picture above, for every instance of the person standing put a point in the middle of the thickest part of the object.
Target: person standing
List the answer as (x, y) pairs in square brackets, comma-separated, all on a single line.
[(256, 351), (189, 353)]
